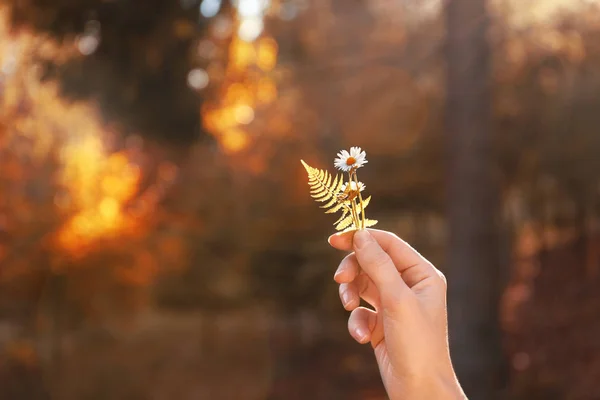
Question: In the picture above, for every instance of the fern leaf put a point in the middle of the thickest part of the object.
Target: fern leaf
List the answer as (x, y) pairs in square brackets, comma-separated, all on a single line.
[(321, 186), (365, 203), (323, 189), (323, 196), (327, 188), (318, 192), (338, 188), (335, 184), (336, 208), (331, 202), (370, 222), (344, 213), (345, 223)]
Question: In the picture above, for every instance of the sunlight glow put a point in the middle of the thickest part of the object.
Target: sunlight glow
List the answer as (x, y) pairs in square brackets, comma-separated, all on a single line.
[(95, 185), (86, 163), (234, 140), (210, 8), (227, 117), (198, 78), (521, 14), (250, 29), (251, 14)]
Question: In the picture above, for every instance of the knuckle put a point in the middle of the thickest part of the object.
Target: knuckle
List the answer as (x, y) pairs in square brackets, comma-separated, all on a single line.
[(348, 258), (354, 318), (377, 258), (363, 284), (442, 279)]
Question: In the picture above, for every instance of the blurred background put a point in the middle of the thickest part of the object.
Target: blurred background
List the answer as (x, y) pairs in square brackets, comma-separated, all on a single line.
[(157, 237)]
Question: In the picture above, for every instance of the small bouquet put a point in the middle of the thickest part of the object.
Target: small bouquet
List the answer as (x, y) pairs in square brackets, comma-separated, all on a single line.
[(340, 195)]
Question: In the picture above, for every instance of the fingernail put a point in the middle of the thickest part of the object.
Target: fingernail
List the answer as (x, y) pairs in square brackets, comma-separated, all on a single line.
[(346, 298), (361, 238), (361, 334), (337, 273)]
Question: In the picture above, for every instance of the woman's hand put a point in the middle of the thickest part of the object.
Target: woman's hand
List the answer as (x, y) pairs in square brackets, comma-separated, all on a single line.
[(408, 328)]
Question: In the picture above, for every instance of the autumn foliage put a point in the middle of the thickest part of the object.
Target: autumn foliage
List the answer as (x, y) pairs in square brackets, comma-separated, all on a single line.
[(152, 206)]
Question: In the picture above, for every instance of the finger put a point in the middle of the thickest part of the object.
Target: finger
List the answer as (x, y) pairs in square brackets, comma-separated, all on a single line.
[(412, 265), (348, 269), (401, 252), (361, 287), (378, 265), (367, 290), (366, 326), (343, 241), (349, 296)]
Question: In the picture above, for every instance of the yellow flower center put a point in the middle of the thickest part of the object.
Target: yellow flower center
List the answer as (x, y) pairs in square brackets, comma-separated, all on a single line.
[(350, 161)]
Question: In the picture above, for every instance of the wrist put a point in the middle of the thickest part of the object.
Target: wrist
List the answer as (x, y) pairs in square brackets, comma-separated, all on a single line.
[(439, 386), (449, 387)]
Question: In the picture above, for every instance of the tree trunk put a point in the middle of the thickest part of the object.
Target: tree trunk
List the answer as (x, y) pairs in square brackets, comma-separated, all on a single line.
[(474, 264)]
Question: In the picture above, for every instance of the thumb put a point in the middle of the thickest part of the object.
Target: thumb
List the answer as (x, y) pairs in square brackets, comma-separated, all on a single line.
[(379, 266)]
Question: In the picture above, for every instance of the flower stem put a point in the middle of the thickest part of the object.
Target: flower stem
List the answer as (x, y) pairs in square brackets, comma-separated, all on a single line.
[(355, 219), (362, 210)]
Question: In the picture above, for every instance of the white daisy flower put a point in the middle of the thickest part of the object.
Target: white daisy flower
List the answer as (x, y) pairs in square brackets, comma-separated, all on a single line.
[(350, 193), (347, 161), (353, 186)]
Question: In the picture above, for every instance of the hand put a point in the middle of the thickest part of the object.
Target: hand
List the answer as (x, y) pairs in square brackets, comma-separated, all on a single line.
[(408, 328)]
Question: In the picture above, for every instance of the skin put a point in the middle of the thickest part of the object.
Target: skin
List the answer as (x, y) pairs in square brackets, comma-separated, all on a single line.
[(408, 328)]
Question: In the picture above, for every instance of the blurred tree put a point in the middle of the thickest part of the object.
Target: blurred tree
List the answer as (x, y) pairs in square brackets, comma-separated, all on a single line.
[(473, 265), (137, 56)]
